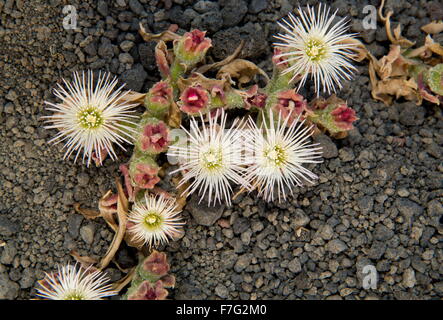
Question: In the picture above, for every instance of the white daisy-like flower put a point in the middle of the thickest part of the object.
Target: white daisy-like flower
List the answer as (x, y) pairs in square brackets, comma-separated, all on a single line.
[(212, 158), (313, 45), (155, 220), (91, 117), (72, 283), (277, 154)]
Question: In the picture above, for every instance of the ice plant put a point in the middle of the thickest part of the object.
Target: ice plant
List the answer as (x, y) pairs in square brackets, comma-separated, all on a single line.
[(151, 279), (314, 45), (70, 283), (277, 154), (212, 158), (155, 220), (194, 100), (290, 104), (91, 117), (153, 137)]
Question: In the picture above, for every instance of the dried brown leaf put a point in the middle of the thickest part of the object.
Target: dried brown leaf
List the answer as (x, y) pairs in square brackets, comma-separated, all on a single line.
[(198, 79), (242, 70), (222, 63), (122, 211), (133, 97), (433, 28), (166, 36), (175, 116), (123, 282), (84, 261), (87, 213)]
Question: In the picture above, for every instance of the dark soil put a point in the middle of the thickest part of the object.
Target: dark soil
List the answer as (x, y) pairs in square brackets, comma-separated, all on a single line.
[(378, 201)]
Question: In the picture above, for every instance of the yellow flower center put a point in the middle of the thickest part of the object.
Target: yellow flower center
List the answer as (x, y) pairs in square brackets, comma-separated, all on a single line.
[(315, 49), (74, 296), (276, 156), (152, 220), (90, 118), (212, 159)]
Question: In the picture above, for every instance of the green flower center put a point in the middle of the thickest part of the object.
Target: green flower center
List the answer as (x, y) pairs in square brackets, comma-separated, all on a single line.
[(152, 220), (276, 155), (212, 159), (90, 118), (74, 296), (315, 49)]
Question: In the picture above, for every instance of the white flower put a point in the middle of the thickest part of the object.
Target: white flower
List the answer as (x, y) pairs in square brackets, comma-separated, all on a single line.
[(155, 220), (91, 117), (313, 45), (277, 153), (212, 158), (70, 283)]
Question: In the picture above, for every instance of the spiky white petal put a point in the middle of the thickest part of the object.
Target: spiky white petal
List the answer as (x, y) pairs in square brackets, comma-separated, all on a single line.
[(72, 283), (315, 46), (277, 154), (155, 220), (212, 159), (91, 117)]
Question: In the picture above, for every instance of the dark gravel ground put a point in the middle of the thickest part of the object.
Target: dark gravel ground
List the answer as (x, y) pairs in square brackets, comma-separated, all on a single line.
[(378, 201)]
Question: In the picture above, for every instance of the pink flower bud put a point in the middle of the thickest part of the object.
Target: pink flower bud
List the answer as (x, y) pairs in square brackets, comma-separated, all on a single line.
[(153, 137), (161, 57), (194, 42), (253, 98), (343, 117), (156, 265), (148, 291), (143, 172), (194, 100), (280, 61), (161, 93), (289, 104), (192, 47)]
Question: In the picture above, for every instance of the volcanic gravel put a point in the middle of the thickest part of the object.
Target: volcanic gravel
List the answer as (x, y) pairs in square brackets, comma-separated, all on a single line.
[(378, 200)]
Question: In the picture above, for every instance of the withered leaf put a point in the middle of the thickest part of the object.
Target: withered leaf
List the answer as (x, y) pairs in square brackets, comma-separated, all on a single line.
[(433, 28), (222, 63), (242, 70), (122, 211), (166, 36)]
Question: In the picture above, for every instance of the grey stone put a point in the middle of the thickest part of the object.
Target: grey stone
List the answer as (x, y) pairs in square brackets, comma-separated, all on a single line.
[(409, 280), (87, 233), (74, 223), (326, 232), (28, 278), (221, 291), (134, 78), (204, 6), (241, 225), (300, 219), (366, 204), (329, 149), (377, 250), (8, 254), (8, 289), (257, 5), (233, 12), (202, 213), (7, 227), (135, 6), (408, 208), (410, 115), (242, 263), (336, 246), (294, 265), (383, 233), (102, 8)]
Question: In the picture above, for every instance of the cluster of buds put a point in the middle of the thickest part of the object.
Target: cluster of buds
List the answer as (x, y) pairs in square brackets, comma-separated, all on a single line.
[(151, 279), (331, 114)]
